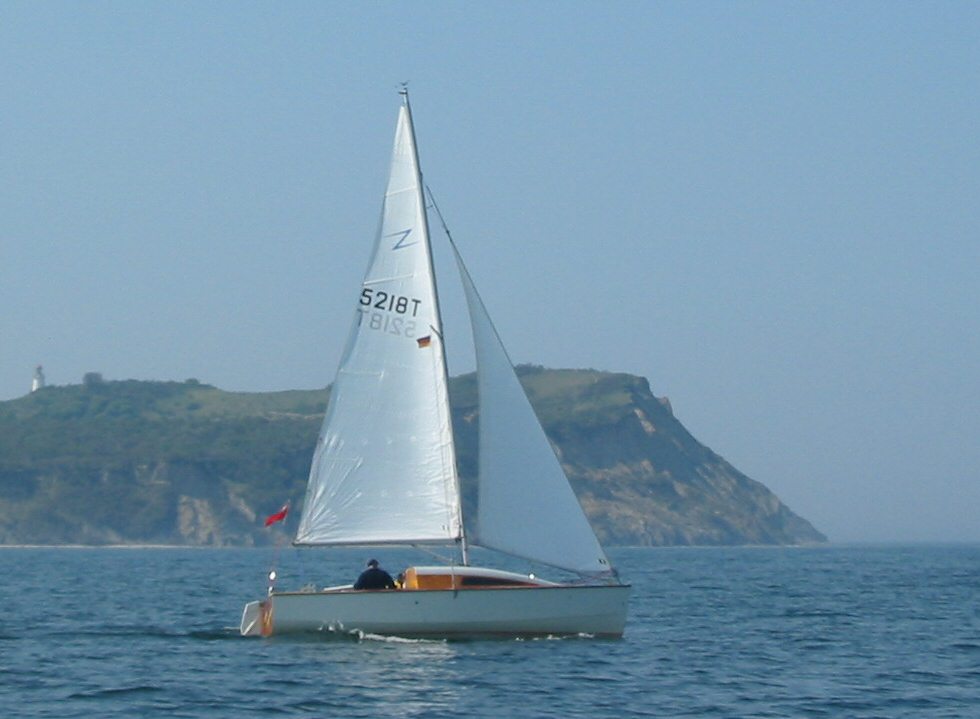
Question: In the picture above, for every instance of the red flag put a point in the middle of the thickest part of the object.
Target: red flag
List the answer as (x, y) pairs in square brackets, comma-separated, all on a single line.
[(278, 516)]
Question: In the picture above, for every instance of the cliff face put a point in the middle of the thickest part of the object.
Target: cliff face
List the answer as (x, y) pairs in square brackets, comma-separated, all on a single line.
[(184, 463), (159, 503), (638, 473)]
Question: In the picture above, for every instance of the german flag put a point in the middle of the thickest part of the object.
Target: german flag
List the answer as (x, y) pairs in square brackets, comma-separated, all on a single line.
[(424, 341)]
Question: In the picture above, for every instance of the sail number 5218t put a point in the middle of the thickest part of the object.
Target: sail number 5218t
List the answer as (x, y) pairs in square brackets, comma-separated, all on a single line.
[(398, 305), (379, 299)]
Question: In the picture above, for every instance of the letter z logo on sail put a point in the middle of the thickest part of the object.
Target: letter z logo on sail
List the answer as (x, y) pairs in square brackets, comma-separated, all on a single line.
[(402, 236)]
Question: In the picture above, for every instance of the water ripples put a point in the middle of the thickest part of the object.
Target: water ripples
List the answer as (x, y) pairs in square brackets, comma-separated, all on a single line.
[(827, 632)]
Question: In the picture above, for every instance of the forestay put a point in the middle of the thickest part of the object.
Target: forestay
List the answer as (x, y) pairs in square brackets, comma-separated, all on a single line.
[(526, 506), (386, 444)]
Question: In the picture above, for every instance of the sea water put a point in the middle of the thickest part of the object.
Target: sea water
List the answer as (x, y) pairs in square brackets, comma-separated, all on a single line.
[(889, 631)]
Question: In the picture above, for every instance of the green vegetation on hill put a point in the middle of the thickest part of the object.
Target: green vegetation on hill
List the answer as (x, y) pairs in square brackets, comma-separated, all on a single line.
[(187, 463)]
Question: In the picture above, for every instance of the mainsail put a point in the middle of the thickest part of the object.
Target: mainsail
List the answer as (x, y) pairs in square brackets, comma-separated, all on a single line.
[(386, 446), (526, 506)]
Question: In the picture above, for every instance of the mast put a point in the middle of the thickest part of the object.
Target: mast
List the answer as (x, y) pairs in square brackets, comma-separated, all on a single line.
[(438, 311)]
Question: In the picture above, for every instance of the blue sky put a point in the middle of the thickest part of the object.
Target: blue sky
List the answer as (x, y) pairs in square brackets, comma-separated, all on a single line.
[(767, 209)]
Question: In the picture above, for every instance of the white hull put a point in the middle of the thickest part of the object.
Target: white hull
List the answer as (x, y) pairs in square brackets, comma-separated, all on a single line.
[(513, 611)]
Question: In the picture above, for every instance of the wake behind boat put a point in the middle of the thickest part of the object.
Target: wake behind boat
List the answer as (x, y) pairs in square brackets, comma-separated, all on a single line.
[(384, 468)]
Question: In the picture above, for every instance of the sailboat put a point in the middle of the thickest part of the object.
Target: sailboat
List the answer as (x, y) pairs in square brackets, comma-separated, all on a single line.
[(384, 468)]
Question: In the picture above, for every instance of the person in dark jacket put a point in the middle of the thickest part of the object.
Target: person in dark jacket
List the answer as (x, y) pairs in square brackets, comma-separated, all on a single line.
[(374, 577)]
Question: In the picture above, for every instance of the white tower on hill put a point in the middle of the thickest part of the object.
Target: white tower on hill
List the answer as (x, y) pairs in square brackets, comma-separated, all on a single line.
[(38, 382)]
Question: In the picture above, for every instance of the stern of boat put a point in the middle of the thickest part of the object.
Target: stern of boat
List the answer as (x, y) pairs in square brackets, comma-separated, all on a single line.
[(257, 619)]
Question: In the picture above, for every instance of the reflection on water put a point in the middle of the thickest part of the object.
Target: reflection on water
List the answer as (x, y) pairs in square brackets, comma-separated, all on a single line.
[(412, 676)]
